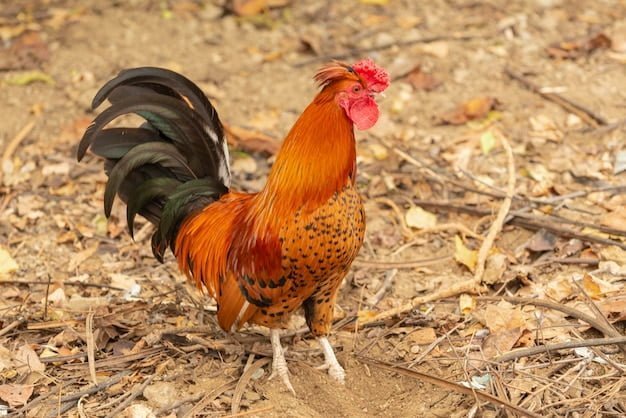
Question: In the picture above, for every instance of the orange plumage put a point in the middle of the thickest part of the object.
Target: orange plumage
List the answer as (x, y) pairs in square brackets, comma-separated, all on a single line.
[(262, 255)]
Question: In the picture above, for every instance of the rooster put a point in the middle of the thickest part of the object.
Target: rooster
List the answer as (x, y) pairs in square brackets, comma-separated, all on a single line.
[(260, 255)]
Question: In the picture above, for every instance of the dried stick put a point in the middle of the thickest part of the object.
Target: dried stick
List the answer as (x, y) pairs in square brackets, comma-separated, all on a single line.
[(437, 381), (384, 288), (243, 382), (91, 347), (14, 143), (401, 264), (531, 351), (11, 326), (497, 224), (209, 397), (89, 391), (65, 283), (138, 391), (584, 113), (598, 314)]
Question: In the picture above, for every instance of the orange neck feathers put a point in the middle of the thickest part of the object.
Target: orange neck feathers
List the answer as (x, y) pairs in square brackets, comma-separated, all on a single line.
[(317, 158)]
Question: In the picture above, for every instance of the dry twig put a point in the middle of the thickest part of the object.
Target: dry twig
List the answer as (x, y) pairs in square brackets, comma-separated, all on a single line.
[(581, 111), (12, 326), (13, 144), (401, 264), (91, 347), (243, 382), (138, 391), (208, 398), (598, 314), (384, 288), (531, 351), (497, 224), (68, 401)]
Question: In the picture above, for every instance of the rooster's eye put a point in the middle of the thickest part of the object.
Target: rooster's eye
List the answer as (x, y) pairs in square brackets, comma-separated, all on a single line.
[(356, 89)]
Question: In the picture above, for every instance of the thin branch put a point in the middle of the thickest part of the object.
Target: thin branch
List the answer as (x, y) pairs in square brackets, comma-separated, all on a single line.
[(384, 288), (243, 382), (138, 391), (497, 224), (581, 111), (12, 326), (91, 347), (402, 264), (70, 399), (13, 144), (531, 351), (597, 313)]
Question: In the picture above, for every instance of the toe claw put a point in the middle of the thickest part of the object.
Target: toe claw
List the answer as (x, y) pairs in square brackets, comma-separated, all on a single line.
[(337, 373), (282, 371)]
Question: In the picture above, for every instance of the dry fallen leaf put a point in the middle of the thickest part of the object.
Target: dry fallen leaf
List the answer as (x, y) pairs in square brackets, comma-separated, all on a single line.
[(421, 80), (559, 289), (504, 317), (578, 47), (379, 152), (28, 361), (138, 411), (615, 219), (16, 395), (591, 287), (417, 217), (466, 303), (78, 258), (495, 267), (501, 342), (464, 255), (251, 141), (476, 108), (7, 263), (544, 128), (254, 7), (422, 336), (614, 253), (542, 240)]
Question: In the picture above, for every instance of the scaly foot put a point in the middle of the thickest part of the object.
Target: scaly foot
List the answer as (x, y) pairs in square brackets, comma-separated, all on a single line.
[(279, 364), (330, 361)]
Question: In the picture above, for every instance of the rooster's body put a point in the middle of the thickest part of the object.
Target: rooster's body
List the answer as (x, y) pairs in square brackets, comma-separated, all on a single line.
[(263, 255)]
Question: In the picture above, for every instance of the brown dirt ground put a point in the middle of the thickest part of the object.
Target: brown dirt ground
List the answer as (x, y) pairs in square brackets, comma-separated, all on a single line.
[(258, 74)]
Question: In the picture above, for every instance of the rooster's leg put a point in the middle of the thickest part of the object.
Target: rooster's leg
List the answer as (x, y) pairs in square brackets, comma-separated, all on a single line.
[(279, 364), (330, 361)]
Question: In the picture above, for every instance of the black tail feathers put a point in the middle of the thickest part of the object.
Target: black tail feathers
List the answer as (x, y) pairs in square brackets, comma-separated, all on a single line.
[(174, 164)]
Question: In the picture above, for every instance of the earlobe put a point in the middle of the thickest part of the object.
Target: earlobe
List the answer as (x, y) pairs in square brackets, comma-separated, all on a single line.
[(342, 100)]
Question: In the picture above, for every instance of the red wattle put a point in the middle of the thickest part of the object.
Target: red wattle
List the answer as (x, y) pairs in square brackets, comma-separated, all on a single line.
[(363, 113)]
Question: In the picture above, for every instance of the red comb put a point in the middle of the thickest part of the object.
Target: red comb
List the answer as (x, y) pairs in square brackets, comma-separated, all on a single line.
[(376, 78)]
